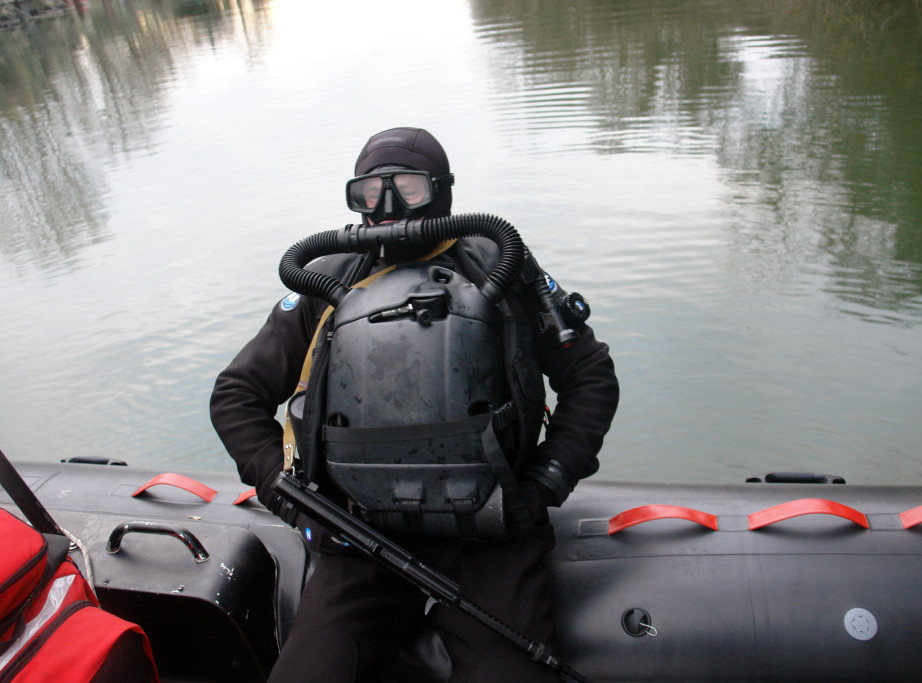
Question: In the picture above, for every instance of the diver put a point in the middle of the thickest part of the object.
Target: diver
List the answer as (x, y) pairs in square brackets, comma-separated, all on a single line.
[(355, 616)]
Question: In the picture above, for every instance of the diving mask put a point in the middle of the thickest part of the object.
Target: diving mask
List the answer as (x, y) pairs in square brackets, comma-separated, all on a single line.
[(393, 192)]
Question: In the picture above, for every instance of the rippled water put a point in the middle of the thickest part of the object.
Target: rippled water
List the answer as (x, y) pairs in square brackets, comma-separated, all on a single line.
[(734, 186)]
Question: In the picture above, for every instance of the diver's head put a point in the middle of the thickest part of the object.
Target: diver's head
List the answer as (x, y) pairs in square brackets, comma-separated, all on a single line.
[(401, 173)]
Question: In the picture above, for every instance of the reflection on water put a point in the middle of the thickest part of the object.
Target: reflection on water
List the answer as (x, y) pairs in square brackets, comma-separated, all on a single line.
[(735, 187), (78, 95), (787, 97)]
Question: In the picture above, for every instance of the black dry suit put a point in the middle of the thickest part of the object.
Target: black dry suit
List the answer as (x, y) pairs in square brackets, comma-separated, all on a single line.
[(265, 374), (425, 389)]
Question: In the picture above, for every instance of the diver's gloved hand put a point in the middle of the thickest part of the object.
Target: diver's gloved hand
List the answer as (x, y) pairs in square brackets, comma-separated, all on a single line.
[(318, 538), (284, 510), (537, 499), (277, 505)]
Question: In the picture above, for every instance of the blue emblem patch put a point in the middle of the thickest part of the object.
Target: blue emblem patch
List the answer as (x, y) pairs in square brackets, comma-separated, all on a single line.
[(290, 302)]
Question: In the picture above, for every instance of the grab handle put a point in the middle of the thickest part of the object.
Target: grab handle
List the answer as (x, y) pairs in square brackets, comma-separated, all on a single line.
[(805, 506), (204, 492), (187, 537), (646, 513), (245, 496), (911, 517), (795, 478)]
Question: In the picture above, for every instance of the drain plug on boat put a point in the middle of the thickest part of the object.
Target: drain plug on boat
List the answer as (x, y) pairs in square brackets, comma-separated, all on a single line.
[(636, 622), (860, 624)]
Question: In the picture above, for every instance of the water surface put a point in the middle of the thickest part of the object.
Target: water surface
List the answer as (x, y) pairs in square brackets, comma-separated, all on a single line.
[(735, 187)]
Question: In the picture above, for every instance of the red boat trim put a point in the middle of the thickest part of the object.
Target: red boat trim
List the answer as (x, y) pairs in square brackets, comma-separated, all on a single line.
[(245, 496), (911, 518), (646, 513), (181, 482), (805, 506)]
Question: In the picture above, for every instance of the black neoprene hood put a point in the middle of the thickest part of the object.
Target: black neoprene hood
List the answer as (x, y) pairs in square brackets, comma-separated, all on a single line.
[(414, 148)]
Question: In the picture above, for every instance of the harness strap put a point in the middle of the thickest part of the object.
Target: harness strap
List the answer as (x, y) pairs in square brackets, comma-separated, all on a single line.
[(463, 509), (496, 458), (431, 430), (288, 437), (411, 511)]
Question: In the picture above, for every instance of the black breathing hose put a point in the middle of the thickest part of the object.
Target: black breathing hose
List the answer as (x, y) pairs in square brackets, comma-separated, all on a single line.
[(413, 234), (291, 268)]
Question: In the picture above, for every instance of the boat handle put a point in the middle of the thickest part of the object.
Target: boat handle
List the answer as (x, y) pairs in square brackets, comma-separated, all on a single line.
[(805, 506), (187, 537), (179, 481), (795, 478), (646, 513), (245, 496), (912, 517)]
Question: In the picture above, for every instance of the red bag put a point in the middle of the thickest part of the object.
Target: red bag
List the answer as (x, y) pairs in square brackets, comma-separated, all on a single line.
[(22, 564), (51, 627)]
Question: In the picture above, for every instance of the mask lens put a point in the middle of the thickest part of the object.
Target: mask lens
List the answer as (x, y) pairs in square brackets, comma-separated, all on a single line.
[(414, 189), (364, 193)]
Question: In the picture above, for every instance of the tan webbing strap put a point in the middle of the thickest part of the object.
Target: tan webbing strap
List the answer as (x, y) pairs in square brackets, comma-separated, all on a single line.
[(288, 438)]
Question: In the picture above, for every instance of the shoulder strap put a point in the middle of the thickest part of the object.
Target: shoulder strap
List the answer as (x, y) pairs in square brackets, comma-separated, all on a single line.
[(25, 499), (288, 438)]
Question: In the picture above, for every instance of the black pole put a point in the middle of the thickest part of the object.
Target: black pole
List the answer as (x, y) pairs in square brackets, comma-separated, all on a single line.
[(23, 496)]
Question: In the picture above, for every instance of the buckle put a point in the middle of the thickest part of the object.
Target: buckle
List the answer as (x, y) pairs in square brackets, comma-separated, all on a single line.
[(504, 416)]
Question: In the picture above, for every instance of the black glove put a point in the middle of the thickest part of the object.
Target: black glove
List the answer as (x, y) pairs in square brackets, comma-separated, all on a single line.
[(265, 492), (285, 511), (317, 537), (537, 498), (277, 505)]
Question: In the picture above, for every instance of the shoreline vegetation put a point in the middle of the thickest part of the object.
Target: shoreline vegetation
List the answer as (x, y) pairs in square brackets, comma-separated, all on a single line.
[(18, 12)]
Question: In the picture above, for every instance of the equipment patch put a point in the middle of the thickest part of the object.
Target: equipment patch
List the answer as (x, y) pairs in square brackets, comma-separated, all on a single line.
[(290, 302)]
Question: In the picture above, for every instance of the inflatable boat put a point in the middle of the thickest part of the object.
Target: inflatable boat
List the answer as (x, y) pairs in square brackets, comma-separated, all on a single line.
[(783, 577)]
